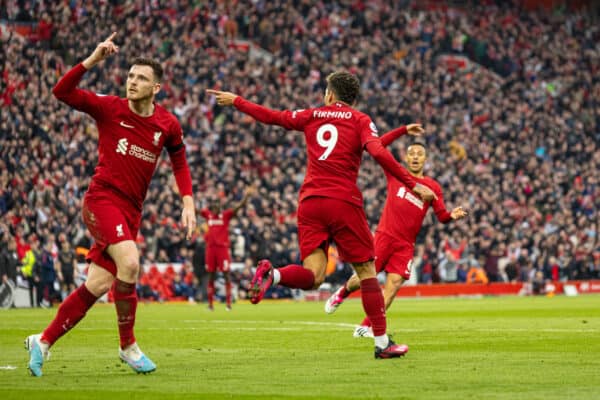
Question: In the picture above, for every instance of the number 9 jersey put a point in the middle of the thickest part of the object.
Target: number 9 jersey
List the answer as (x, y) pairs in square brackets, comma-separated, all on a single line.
[(336, 136)]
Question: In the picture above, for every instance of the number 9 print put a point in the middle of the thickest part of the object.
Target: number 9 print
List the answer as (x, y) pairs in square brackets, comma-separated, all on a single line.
[(329, 143)]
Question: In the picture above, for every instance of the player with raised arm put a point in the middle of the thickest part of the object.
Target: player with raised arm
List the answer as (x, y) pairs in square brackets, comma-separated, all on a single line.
[(217, 241), (330, 205), (398, 228), (132, 132)]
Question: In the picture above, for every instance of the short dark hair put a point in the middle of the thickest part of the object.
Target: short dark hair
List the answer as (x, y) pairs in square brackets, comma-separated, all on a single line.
[(417, 143), (344, 85), (155, 65)]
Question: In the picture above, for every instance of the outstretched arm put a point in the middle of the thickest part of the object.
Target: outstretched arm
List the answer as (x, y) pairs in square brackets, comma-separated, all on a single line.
[(286, 119), (441, 213)]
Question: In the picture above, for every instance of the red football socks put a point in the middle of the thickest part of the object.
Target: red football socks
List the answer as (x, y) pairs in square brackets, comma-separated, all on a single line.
[(210, 292), (70, 312), (228, 293), (373, 304), (366, 322), (296, 277), (126, 305)]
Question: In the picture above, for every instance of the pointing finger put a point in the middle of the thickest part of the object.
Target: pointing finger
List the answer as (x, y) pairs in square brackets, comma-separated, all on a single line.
[(111, 37)]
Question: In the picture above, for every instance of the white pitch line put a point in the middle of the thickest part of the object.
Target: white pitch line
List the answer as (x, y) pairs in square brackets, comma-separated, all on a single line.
[(227, 321), (8, 367)]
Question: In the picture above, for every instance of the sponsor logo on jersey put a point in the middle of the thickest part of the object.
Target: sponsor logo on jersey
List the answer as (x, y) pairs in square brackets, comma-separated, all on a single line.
[(212, 222), (296, 112), (124, 148), (332, 114), (411, 198)]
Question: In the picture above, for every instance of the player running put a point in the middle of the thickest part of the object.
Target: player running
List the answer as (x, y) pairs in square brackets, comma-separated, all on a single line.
[(397, 231), (330, 205)]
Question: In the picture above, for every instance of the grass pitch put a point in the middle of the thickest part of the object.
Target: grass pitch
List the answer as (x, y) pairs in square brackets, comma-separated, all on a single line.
[(490, 348)]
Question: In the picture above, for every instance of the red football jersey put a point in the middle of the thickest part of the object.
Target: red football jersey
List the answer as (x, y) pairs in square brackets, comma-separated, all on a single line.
[(129, 145), (218, 227), (335, 138), (404, 211)]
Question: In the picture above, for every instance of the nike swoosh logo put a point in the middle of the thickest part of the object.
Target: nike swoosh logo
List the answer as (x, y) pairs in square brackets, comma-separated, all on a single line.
[(124, 125)]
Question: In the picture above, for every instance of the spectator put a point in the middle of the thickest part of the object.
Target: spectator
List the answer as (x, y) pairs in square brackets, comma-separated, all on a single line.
[(32, 272), (48, 276), (476, 273), (9, 262), (66, 267)]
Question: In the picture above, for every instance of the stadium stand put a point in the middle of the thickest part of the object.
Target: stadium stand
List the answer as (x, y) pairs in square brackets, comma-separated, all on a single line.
[(508, 95)]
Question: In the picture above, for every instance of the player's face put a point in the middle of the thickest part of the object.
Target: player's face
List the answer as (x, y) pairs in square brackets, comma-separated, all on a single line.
[(415, 158), (140, 83)]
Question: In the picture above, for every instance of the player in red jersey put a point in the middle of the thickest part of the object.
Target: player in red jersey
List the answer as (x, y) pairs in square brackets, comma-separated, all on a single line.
[(398, 228), (132, 132), (217, 244), (331, 206)]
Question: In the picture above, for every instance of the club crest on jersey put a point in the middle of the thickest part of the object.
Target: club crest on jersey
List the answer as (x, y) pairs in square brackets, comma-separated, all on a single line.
[(157, 136), (120, 230)]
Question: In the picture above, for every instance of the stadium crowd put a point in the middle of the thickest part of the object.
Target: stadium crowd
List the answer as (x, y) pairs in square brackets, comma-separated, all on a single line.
[(509, 101)]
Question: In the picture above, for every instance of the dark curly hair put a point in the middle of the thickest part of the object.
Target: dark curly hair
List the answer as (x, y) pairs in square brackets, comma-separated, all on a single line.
[(344, 85)]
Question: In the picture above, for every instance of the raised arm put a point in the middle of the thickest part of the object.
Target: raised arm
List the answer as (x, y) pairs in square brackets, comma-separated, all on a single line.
[(66, 89), (249, 192), (412, 129)]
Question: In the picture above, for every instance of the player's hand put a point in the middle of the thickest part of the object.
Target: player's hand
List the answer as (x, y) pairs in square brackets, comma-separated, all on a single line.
[(415, 129), (458, 213), (188, 216), (102, 51), (424, 192), (223, 98)]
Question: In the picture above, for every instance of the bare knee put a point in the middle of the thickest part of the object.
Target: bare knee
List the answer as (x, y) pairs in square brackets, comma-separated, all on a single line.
[(129, 267), (103, 287), (99, 280), (100, 285)]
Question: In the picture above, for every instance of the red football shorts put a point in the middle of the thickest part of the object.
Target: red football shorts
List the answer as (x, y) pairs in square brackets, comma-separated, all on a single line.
[(393, 255), (324, 219), (110, 220), (217, 259)]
